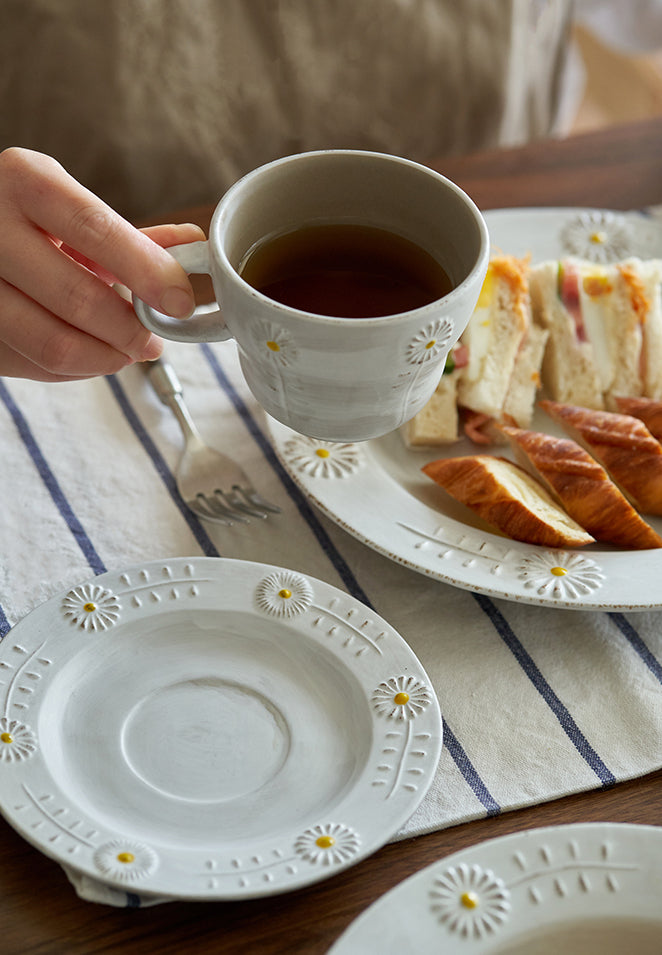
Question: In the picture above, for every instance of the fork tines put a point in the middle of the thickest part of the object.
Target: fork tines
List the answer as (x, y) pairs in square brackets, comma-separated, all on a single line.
[(234, 506)]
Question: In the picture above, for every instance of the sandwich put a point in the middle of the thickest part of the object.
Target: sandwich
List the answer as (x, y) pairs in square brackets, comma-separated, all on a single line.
[(519, 399), (568, 369), (525, 380), (494, 334), (587, 334), (582, 487), (605, 329), (623, 445), (508, 499), (496, 364), (437, 423), (643, 281)]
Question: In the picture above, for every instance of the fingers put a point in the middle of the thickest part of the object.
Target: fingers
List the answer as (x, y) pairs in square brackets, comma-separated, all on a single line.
[(52, 200), (174, 233), (163, 235), (68, 289), (34, 343), (60, 250), (13, 365)]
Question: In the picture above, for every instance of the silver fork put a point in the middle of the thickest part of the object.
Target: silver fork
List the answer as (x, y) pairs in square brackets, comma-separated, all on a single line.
[(211, 484)]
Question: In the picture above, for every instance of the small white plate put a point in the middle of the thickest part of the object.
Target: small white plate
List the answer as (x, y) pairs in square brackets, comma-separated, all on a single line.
[(588, 889), (376, 490), (211, 729)]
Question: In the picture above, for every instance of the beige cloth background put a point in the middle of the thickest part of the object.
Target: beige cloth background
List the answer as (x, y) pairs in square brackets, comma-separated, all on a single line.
[(155, 104)]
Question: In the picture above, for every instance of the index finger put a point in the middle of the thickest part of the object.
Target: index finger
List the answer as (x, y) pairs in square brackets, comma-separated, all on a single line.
[(56, 202)]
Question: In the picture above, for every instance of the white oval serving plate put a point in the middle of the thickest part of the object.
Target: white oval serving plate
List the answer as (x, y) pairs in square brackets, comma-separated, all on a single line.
[(377, 493)]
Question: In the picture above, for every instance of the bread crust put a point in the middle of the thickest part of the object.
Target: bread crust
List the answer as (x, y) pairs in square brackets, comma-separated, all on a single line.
[(582, 487), (623, 445), (643, 281), (484, 384), (507, 498), (648, 410)]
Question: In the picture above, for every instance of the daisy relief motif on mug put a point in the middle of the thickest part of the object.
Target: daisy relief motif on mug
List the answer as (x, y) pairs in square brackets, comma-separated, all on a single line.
[(560, 574), (323, 459), (327, 844), (597, 236), (430, 342), (425, 350), (277, 342), (284, 594), (470, 900), (91, 607)]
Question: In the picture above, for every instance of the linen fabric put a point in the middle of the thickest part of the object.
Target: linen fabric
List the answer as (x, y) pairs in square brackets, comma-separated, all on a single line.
[(537, 703)]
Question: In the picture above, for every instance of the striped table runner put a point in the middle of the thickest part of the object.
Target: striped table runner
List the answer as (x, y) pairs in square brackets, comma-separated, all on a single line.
[(537, 703)]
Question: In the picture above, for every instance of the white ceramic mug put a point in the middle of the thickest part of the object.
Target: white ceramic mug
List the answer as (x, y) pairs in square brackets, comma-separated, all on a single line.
[(336, 378)]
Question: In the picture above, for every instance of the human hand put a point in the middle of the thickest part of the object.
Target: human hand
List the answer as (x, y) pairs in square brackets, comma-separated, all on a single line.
[(61, 250)]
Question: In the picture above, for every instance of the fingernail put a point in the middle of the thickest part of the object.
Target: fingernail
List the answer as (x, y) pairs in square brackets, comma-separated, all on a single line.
[(153, 349), (177, 302), (193, 225)]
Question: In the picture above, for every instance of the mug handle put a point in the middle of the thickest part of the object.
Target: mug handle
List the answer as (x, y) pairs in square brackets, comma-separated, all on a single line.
[(203, 325)]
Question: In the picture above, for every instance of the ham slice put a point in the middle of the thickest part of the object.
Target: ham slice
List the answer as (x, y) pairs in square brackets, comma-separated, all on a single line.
[(568, 288)]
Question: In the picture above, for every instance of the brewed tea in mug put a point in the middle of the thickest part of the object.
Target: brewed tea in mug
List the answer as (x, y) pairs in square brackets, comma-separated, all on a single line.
[(345, 270), (351, 253)]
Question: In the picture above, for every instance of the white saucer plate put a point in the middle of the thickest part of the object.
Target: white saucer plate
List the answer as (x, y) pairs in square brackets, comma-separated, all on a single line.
[(211, 729), (587, 889), (377, 493)]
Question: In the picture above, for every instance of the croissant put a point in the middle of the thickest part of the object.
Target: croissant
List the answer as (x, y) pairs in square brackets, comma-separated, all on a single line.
[(623, 445), (648, 410), (508, 499), (582, 487)]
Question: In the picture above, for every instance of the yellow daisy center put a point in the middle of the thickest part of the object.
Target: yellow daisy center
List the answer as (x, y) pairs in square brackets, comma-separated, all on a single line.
[(401, 698), (431, 343), (597, 238), (322, 452), (285, 593), (325, 842), (6, 737), (273, 346), (558, 571), (89, 607), (125, 857), (469, 900)]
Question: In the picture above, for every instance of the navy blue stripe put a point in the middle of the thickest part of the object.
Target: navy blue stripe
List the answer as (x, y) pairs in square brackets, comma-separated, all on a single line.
[(303, 506), (561, 712), (206, 544), (344, 571), (471, 777), (132, 900), (51, 483), (5, 626), (637, 644)]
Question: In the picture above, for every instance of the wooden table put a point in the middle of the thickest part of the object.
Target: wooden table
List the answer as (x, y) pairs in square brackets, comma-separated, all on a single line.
[(40, 914)]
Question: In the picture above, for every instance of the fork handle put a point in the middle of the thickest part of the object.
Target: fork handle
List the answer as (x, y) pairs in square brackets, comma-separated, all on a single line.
[(165, 380), (169, 389)]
